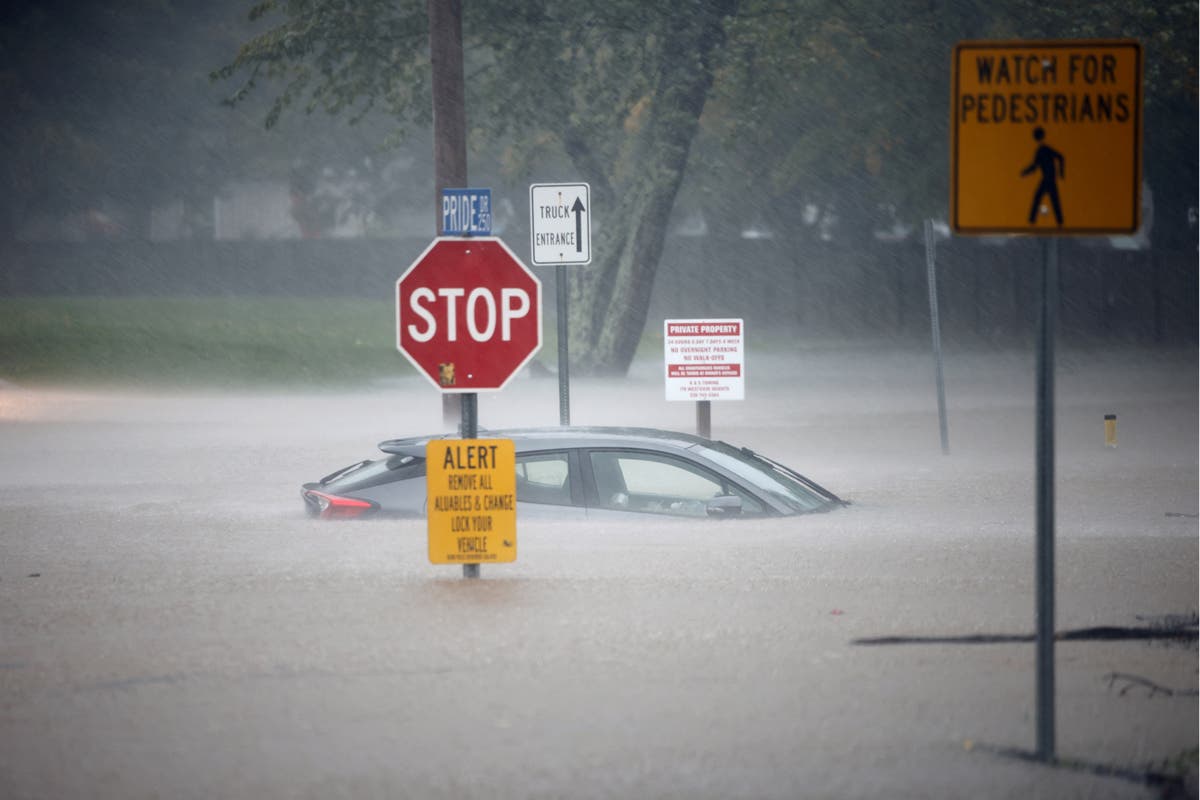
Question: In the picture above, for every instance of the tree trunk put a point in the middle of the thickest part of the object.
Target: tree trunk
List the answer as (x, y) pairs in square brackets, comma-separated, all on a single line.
[(611, 297)]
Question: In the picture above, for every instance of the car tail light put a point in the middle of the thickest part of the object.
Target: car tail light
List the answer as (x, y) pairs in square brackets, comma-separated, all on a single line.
[(330, 506)]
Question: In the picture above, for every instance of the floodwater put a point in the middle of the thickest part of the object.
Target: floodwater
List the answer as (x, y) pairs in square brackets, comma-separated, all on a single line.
[(171, 624)]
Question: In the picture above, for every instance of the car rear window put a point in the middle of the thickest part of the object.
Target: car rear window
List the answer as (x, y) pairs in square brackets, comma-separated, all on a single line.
[(372, 473)]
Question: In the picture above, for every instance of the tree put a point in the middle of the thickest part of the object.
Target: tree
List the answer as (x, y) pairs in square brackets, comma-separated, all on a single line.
[(839, 103), (845, 102), (102, 105), (637, 77), (110, 104), (617, 88)]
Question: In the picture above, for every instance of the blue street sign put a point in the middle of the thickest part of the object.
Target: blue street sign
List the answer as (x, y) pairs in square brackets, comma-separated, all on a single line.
[(466, 212)]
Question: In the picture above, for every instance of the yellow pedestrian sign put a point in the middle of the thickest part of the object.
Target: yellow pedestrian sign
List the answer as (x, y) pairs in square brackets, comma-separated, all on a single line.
[(1046, 137)]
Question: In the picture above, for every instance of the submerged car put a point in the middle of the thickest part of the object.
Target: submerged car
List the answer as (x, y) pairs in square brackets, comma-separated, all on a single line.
[(587, 473)]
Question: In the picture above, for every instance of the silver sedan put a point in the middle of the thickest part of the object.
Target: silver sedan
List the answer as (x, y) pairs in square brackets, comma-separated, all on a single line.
[(588, 473)]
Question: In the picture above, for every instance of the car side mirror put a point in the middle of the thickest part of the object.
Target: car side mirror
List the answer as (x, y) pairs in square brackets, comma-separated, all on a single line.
[(728, 505)]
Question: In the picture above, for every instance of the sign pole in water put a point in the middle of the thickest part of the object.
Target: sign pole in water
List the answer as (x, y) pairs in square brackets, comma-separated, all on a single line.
[(1045, 502), (935, 326), (1046, 139), (564, 361), (470, 430)]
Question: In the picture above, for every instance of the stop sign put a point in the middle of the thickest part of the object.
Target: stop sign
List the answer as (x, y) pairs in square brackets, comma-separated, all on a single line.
[(468, 314)]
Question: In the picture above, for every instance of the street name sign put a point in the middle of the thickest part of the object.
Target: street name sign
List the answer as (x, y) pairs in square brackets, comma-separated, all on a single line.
[(468, 314), (471, 486), (560, 224), (1046, 137), (704, 359), (466, 212)]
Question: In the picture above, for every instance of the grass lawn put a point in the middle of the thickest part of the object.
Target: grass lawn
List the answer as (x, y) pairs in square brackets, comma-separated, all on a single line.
[(224, 342)]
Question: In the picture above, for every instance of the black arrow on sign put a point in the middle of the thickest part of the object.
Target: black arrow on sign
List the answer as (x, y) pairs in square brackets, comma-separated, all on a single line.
[(578, 209)]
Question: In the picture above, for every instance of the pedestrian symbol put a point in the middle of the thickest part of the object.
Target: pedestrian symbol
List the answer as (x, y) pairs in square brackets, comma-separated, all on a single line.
[(1051, 164)]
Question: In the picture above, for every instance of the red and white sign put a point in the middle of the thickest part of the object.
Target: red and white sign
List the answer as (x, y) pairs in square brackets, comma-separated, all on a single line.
[(468, 314), (705, 359)]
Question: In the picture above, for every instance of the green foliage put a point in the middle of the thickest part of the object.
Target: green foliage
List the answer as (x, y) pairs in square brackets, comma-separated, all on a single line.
[(769, 107), (588, 72), (344, 59), (100, 103), (833, 102), (836, 104), (112, 104), (845, 102), (1167, 30)]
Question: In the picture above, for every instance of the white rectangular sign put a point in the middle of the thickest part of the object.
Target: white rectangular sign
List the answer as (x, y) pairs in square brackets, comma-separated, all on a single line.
[(560, 224), (704, 359)]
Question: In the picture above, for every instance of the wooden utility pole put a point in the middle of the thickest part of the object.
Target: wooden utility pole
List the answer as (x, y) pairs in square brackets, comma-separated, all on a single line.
[(449, 125)]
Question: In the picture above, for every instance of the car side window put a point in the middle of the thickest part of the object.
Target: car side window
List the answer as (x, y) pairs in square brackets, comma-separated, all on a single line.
[(544, 478), (659, 484)]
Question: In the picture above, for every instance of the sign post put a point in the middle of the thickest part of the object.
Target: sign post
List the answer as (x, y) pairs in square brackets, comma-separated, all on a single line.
[(468, 317), (560, 233), (1046, 139), (1045, 502), (705, 361), (935, 327)]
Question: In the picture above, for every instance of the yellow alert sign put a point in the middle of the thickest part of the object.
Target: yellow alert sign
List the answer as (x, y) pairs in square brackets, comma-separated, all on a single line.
[(471, 486), (1046, 137)]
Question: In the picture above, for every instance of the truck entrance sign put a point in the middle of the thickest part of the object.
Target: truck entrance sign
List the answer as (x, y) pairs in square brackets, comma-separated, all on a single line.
[(471, 486), (1046, 137), (704, 359), (468, 314), (560, 224)]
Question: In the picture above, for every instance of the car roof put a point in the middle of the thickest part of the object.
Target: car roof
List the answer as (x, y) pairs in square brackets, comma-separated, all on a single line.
[(527, 439)]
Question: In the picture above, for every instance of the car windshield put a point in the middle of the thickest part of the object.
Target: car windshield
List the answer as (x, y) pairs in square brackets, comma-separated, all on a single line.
[(767, 477)]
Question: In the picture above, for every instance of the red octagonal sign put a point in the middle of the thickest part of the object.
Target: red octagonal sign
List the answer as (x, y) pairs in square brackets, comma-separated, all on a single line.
[(468, 314)]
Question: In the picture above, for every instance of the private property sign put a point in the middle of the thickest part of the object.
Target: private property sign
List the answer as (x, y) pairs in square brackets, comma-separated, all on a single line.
[(705, 359), (471, 486), (1046, 137)]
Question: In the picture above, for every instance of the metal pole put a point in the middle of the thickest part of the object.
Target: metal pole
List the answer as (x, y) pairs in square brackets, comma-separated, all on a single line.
[(564, 370), (470, 430), (704, 418), (1045, 501), (936, 327)]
